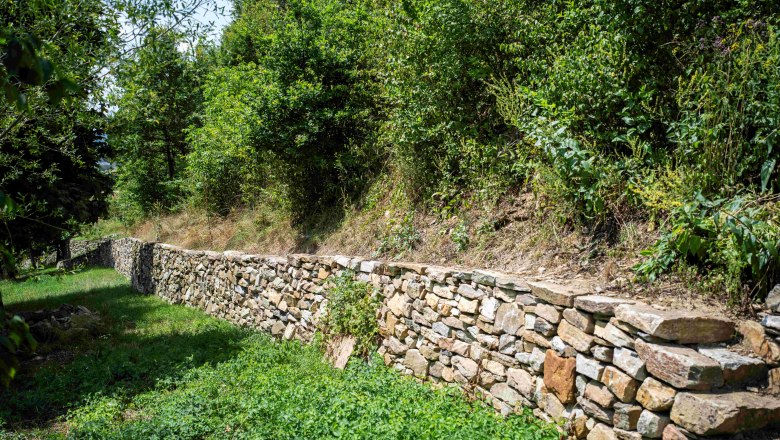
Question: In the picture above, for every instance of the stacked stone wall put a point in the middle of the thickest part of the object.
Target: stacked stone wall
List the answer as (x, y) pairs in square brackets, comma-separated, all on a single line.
[(613, 368)]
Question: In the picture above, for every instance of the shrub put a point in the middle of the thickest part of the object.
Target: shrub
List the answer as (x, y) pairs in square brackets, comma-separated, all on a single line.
[(352, 310)]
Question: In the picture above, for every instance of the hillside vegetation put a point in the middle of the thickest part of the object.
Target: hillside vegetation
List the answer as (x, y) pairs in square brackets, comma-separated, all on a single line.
[(622, 126)]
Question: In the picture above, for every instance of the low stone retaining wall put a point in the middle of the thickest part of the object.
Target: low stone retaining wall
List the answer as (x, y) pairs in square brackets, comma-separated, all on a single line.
[(612, 367)]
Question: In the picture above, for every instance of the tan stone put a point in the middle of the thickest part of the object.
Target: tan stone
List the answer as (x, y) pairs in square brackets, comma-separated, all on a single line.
[(468, 306), (522, 381), (600, 394), (655, 396), (622, 385), (557, 294), (673, 432), (679, 366), (715, 414), (465, 366), (548, 313), (683, 326), (595, 410), (757, 340), (559, 376), (536, 338), (601, 432), (416, 362), (622, 434), (575, 337), (581, 320)]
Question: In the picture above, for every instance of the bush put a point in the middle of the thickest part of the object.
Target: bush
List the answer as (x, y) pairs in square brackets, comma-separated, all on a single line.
[(352, 310)]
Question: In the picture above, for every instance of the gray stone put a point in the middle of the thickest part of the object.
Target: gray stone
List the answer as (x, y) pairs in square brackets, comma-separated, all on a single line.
[(504, 392), (469, 292), (522, 381), (737, 369), (613, 335), (509, 318), (488, 308), (628, 361), (529, 321), (441, 328), (773, 299), (594, 410), (651, 425), (771, 322), (589, 367), (465, 366), (600, 305), (679, 366), (686, 327), (555, 293), (626, 415), (544, 328), (602, 353), (716, 414)]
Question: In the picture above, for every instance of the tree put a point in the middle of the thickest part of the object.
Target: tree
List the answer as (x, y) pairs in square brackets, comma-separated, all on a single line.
[(157, 101)]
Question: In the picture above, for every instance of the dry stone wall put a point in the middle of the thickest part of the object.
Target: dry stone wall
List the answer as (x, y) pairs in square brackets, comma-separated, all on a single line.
[(611, 367)]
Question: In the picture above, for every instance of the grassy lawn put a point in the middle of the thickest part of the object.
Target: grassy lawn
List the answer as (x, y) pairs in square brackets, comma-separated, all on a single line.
[(161, 371)]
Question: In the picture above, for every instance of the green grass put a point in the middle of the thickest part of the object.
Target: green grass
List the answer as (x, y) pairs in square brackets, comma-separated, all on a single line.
[(165, 371)]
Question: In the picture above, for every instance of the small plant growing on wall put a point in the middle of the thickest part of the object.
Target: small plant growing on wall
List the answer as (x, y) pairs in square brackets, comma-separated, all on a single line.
[(352, 310)]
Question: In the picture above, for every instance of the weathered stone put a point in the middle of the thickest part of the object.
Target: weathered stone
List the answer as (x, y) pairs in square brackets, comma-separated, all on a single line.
[(655, 396), (589, 367), (600, 305), (441, 328), (622, 385), (536, 360), (605, 354), (651, 425), (536, 338), (576, 426), (626, 415), (773, 299), (548, 312), (674, 432), (468, 306), (504, 392), (488, 308), (594, 410), (581, 320), (562, 348), (575, 337), (613, 335), (555, 293), (544, 328), (682, 326), (339, 350), (601, 432), (559, 376), (416, 362), (509, 318), (771, 321), (681, 367), (529, 320), (399, 305), (628, 361), (711, 414), (522, 381), (469, 292), (622, 434), (737, 369), (465, 366), (756, 339), (599, 394)]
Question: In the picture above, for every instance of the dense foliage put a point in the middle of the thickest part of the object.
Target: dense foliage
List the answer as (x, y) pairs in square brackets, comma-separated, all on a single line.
[(166, 371), (352, 309)]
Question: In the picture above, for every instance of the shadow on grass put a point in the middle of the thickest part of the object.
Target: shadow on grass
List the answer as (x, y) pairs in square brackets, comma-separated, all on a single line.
[(142, 343)]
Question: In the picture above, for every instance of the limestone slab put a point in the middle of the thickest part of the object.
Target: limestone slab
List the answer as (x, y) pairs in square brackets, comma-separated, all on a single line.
[(679, 366), (715, 414), (683, 326), (561, 295), (599, 304)]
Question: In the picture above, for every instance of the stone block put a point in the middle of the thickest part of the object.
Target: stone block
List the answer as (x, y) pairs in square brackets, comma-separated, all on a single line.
[(509, 318), (679, 366), (613, 335), (559, 376), (737, 369), (590, 367), (651, 425), (594, 410), (575, 337), (548, 312), (600, 305), (683, 326), (626, 415), (655, 396), (623, 386), (602, 432), (544, 328), (560, 295), (629, 361), (582, 321), (505, 393), (599, 394), (522, 381), (730, 413)]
